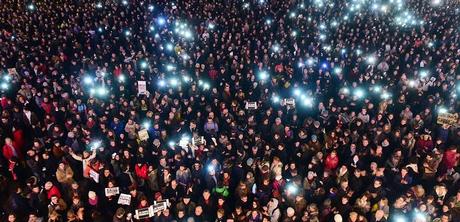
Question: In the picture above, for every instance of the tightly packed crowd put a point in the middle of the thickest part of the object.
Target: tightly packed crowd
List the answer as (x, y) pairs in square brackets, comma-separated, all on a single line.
[(238, 110)]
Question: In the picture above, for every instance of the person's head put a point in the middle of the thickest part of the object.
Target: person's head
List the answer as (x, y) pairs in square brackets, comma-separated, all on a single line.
[(8, 141), (198, 210), (12, 217), (54, 199), (32, 218)]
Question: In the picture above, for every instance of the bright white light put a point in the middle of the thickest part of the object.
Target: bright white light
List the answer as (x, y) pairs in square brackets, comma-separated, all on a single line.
[(31, 7), (322, 26), (174, 82), (307, 102), (157, 36), (297, 92), (292, 14), (310, 61), (102, 91), (246, 5), (99, 5), (185, 56), (442, 110), (206, 86), (211, 168), (125, 2), (146, 125), (121, 78), (343, 51), (384, 8), (127, 33), (300, 64), (186, 78), (161, 21), (412, 83), (4, 85), (88, 80), (161, 83), (276, 99), (424, 73), (322, 36), (99, 29), (358, 52), (7, 77), (171, 143), (359, 93), (436, 2), (377, 89), (169, 67), (334, 24), (276, 48), (169, 47), (152, 28), (92, 91), (385, 95), (144, 64), (337, 70), (188, 34), (419, 216), (95, 145), (211, 26), (375, 6), (430, 44), (371, 60), (268, 21), (400, 218), (291, 188), (324, 65), (345, 91), (294, 33), (263, 75), (151, 7)]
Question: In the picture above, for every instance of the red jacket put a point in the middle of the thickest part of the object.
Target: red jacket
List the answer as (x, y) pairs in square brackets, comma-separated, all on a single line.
[(8, 152), (18, 138), (424, 145), (450, 159), (54, 191), (331, 162), (141, 171)]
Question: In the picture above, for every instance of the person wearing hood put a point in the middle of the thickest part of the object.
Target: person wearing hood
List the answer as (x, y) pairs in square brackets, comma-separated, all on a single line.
[(273, 210)]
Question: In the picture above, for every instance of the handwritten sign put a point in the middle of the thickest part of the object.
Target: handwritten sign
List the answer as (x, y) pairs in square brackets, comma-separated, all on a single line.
[(124, 199), (112, 191), (447, 118), (143, 135), (251, 105), (142, 87), (95, 175), (144, 213)]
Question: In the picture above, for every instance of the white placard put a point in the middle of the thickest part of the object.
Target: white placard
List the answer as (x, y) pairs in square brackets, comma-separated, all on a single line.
[(142, 87), (143, 135), (124, 199), (112, 191), (251, 105), (144, 213), (95, 175)]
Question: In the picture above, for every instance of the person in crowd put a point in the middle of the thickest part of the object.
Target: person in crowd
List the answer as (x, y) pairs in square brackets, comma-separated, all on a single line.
[(229, 110)]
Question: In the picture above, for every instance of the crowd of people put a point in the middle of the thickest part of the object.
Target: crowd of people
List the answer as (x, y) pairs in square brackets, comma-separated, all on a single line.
[(238, 110)]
